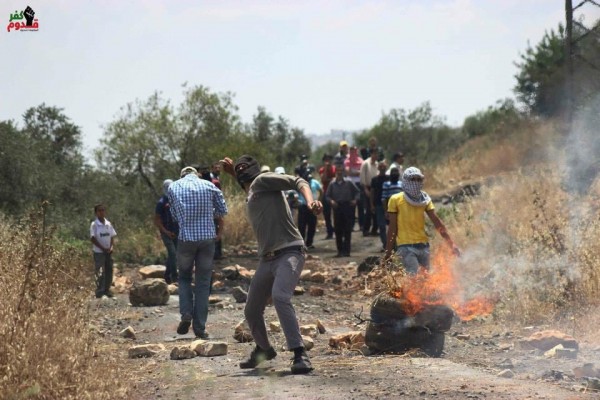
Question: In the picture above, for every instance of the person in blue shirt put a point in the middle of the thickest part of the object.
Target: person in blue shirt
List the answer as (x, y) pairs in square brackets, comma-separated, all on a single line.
[(195, 204), (168, 229)]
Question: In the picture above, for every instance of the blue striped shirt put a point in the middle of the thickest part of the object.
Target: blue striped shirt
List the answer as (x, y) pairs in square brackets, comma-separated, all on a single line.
[(389, 189), (195, 203)]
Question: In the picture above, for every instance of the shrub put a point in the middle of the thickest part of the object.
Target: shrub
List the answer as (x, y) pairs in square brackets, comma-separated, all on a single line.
[(47, 349)]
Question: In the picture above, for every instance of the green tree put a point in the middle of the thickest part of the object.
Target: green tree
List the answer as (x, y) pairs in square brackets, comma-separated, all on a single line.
[(280, 143), (541, 76), (495, 119), (419, 134), (541, 79)]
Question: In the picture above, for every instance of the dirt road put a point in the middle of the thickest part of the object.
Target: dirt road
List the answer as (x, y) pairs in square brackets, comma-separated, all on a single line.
[(475, 352)]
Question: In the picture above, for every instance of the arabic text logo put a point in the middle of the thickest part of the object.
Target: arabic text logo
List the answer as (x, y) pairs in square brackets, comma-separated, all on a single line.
[(30, 23)]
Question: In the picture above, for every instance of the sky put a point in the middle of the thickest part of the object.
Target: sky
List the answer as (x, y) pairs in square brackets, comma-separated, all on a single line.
[(323, 65)]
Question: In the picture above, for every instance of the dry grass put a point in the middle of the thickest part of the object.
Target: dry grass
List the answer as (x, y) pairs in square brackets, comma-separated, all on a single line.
[(487, 156), (237, 226), (531, 245), (47, 350)]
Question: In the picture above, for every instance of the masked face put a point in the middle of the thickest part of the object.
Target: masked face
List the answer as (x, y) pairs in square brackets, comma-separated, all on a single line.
[(246, 169), (205, 175)]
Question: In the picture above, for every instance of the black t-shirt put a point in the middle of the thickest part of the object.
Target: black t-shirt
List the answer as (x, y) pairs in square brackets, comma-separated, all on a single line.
[(376, 188)]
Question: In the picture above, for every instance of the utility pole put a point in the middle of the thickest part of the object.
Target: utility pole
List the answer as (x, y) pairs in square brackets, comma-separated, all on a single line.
[(570, 70), (571, 53)]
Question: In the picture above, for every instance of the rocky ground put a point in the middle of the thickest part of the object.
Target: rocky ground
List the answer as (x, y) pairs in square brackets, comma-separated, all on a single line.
[(482, 359)]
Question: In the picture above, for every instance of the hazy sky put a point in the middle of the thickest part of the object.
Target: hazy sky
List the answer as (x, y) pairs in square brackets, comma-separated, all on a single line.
[(322, 64)]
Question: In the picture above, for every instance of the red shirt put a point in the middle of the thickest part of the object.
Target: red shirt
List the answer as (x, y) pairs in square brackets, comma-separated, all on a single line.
[(327, 174)]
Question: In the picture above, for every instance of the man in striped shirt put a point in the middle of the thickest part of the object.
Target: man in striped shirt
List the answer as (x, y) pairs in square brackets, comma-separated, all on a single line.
[(195, 204)]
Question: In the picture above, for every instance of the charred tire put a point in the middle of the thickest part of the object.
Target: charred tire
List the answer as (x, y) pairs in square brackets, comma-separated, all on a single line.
[(386, 307)]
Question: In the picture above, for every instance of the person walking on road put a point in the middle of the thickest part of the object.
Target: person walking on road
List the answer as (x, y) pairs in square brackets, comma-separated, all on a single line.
[(169, 230), (195, 204), (342, 195), (282, 254)]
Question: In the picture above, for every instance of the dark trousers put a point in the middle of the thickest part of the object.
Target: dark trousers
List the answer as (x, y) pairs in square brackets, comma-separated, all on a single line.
[(370, 220), (307, 224), (103, 270), (171, 245), (218, 249), (327, 216), (343, 220), (360, 209)]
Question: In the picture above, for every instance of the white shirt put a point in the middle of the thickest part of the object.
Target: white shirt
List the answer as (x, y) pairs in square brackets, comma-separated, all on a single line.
[(368, 171), (103, 232), (395, 165)]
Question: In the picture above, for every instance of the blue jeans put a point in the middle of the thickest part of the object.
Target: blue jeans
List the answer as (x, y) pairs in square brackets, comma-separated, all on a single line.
[(381, 223), (194, 305), (171, 245), (414, 256)]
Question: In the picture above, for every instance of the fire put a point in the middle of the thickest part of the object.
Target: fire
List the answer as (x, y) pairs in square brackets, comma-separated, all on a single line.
[(439, 287)]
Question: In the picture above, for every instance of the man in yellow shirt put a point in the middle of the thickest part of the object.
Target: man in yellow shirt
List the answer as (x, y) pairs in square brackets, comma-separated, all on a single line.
[(407, 211)]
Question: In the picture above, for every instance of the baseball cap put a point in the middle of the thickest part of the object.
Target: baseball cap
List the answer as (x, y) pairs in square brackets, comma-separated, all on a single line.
[(265, 168), (279, 170), (188, 170)]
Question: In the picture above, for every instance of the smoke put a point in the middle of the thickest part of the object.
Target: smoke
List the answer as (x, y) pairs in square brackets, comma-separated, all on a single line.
[(583, 148)]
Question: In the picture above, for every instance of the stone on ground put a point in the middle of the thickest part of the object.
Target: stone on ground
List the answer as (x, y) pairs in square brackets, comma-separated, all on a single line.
[(211, 349), (182, 353), (546, 340), (309, 343), (152, 271), (145, 350), (149, 292), (128, 333), (239, 294), (309, 330), (242, 332), (350, 340)]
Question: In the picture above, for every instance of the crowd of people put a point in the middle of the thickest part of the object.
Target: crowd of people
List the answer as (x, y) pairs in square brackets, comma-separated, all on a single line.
[(355, 192)]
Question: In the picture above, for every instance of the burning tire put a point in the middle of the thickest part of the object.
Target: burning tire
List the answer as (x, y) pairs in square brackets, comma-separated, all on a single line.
[(391, 330)]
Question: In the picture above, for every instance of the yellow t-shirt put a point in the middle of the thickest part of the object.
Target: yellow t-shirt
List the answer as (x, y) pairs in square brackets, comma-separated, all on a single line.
[(410, 220)]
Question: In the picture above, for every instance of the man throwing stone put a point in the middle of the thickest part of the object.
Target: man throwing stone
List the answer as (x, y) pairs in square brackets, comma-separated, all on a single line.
[(282, 253)]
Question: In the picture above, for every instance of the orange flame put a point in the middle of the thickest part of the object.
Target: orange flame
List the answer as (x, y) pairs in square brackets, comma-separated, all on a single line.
[(439, 286)]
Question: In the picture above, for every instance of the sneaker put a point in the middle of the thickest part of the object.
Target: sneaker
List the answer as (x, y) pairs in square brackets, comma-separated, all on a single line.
[(184, 326), (257, 356), (301, 364)]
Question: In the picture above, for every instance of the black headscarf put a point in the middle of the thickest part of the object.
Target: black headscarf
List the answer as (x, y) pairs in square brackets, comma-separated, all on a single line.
[(247, 174)]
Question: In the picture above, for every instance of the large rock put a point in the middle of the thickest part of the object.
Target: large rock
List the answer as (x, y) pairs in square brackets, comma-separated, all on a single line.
[(121, 284), (317, 277), (145, 350), (305, 274), (239, 294), (309, 343), (182, 353), (149, 292), (232, 272), (350, 340), (128, 333), (546, 340), (152, 271), (242, 332), (211, 349), (309, 330)]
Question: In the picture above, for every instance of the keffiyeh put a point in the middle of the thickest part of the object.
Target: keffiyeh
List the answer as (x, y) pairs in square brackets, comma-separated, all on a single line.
[(412, 188)]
